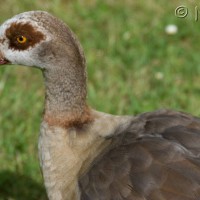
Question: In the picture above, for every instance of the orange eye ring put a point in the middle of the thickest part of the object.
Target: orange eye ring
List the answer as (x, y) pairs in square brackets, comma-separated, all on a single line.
[(21, 39)]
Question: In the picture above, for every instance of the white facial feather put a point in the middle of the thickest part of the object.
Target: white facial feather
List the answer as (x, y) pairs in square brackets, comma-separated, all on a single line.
[(22, 57)]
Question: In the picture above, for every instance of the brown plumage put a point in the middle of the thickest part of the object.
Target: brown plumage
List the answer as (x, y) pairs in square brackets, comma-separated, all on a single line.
[(89, 155)]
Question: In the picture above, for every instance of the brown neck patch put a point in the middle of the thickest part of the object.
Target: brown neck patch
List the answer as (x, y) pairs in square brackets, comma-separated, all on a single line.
[(16, 30), (73, 120)]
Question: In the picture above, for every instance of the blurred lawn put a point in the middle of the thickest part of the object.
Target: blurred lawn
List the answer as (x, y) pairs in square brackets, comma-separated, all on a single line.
[(133, 67)]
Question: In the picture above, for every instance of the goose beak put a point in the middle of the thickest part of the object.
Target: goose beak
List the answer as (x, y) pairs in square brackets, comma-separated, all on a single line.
[(3, 60)]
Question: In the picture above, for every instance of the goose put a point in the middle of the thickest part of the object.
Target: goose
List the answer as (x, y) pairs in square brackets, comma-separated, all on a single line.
[(90, 155)]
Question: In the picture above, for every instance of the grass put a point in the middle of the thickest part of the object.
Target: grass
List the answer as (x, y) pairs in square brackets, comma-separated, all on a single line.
[(133, 67)]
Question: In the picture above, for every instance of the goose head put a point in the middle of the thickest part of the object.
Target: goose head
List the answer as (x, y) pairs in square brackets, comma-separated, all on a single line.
[(38, 39)]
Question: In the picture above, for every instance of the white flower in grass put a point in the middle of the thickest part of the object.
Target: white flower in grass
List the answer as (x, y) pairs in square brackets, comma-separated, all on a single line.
[(171, 29), (159, 75)]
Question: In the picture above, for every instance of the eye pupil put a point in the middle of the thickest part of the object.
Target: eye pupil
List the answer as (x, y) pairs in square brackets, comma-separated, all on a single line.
[(21, 39)]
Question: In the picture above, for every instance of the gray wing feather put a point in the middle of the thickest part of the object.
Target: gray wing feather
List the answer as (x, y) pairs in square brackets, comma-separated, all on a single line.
[(159, 161)]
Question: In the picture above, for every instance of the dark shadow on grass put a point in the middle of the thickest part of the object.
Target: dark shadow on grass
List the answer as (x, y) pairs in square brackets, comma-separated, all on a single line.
[(20, 187)]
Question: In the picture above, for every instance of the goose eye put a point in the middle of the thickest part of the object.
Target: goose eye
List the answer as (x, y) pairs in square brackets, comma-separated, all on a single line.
[(21, 39)]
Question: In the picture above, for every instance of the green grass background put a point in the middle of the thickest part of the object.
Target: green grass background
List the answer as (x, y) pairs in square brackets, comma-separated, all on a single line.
[(126, 49)]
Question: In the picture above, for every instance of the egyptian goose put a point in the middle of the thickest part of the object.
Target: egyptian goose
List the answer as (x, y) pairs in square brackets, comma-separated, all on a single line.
[(89, 155)]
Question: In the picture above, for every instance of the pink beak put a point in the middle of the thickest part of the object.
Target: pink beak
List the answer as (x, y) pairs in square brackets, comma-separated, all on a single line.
[(3, 61)]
